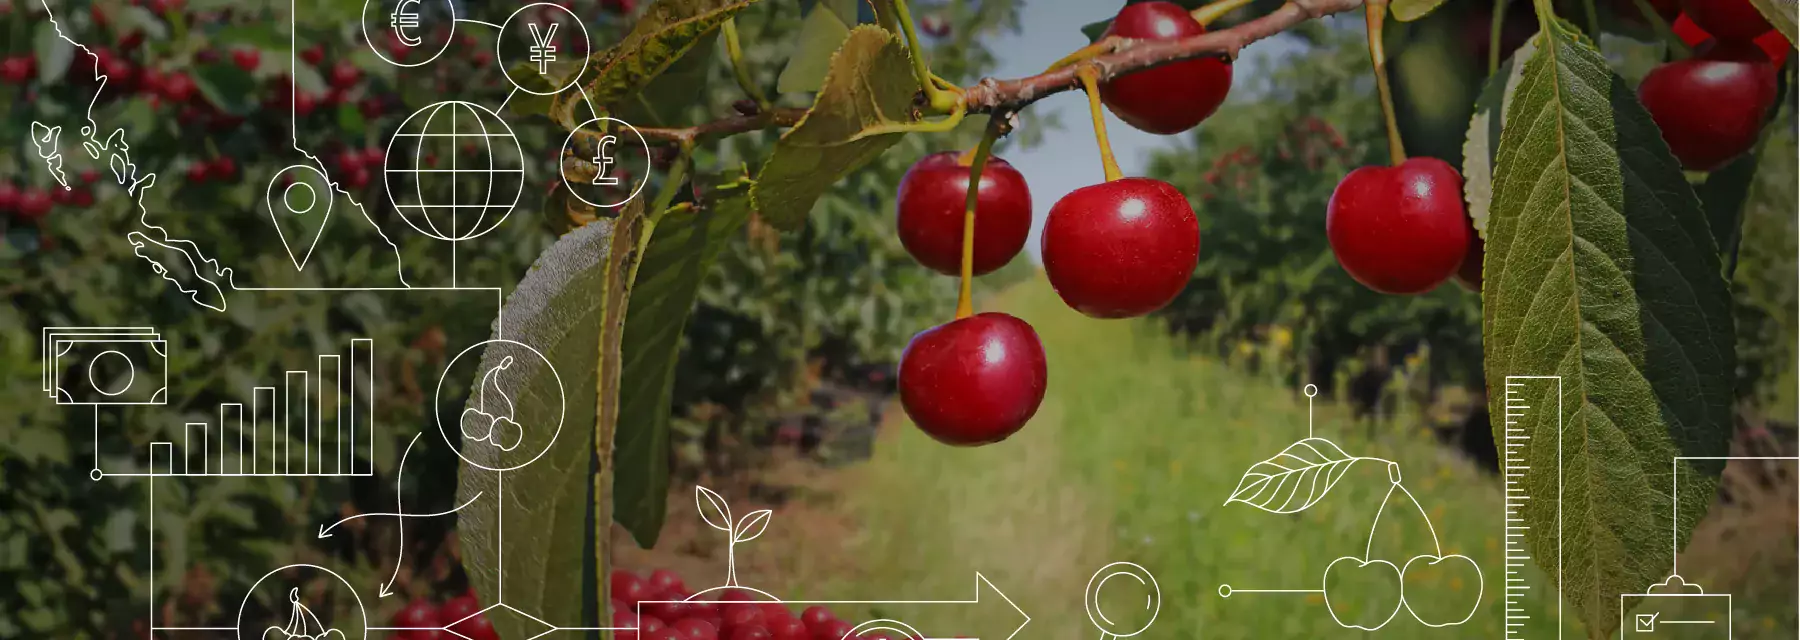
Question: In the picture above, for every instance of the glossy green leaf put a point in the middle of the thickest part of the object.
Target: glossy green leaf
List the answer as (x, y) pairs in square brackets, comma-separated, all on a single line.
[(566, 308), (1480, 146), (1601, 269), (1410, 10), (682, 250), (870, 85), (663, 34), (1781, 14), (820, 36)]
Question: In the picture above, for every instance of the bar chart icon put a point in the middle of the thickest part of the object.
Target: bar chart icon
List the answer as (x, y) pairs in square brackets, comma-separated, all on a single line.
[(319, 422)]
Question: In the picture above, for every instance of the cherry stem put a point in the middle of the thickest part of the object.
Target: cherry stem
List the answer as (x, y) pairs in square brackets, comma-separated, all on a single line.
[(1207, 14), (941, 100), (1676, 45), (1375, 12), (1495, 29), (977, 161), (1089, 81), (735, 50), (1100, 47)]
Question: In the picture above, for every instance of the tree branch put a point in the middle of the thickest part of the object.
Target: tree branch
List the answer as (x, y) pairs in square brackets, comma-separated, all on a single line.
[(1007, 96), (1129, 55)]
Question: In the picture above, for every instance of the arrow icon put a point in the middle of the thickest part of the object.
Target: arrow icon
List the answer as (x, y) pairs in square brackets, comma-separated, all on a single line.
[(325, 530), (400, 556), (981, 581)]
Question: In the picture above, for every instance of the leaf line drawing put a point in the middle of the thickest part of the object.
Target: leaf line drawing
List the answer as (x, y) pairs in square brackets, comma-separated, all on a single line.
[(1275, 484)]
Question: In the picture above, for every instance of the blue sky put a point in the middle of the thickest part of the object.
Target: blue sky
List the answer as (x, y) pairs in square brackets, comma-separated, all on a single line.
[(1068, 159)]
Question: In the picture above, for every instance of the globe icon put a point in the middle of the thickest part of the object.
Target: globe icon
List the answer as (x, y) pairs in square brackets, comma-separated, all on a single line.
[(454, 170)]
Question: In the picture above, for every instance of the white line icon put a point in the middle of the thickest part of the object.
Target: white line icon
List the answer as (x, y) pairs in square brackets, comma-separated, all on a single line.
[(603, 161), (1097, 585), (1314, 466), (543, 47), (406, 17)]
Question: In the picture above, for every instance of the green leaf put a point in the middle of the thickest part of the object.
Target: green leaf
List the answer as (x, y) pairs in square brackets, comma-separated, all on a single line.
[(1781, 15), (226, 86), (684, 246), (671, 94), (663, 34), (1410, 10), (568, 308), (1601, 269), (820, 36), (53, 53), (870, 84), (1479, 147)]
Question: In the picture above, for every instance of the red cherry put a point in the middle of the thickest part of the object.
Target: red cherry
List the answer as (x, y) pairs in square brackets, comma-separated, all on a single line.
[(373, 156), (664, 581), (178, 87), (344, 74), (834, 630), (370, 107), (418, 614), (934, 25), (224, 168), (630, 588), (246, 58), (742, 614), (16, 70), (1734, 20), (357, 179), (1710, 108), (9, 196), (1171, 98), (1122, 248), (788, 629), (1399, 230), (974, 380), (815, 617), (304, 104), (90, 176), (752, 632), (931, 203), (84, 197), (198, 172), (34, 204), (696, 629), (477, 628), (313, 55), (456, 609)]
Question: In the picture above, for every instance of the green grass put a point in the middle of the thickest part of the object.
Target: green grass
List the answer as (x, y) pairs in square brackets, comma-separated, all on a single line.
[(1131, 458)]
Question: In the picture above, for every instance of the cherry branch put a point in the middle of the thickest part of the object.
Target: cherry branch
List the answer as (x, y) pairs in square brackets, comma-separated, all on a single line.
[(1128, 55), (1122, 56)]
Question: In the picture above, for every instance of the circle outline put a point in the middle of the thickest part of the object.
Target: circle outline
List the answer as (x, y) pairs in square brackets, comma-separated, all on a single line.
[(388, 187), (129, 380), (586, 38), (437, 411), (288, 193), (1092, 599), (451, 37), (571, 138)]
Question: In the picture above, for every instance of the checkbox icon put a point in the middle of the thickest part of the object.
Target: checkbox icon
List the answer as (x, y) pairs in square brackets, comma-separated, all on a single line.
[(1646, 622)]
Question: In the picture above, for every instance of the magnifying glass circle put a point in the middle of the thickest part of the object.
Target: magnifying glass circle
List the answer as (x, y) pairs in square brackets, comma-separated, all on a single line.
[(1122, 575)]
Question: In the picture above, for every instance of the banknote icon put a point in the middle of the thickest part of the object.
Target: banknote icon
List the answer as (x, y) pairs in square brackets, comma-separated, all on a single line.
[(105, 366)]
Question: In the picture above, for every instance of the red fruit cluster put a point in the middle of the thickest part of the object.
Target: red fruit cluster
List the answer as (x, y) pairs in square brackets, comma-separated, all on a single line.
[(31, 204), (1401, 229), (660, 607), (355, 166), (424, 620), (1712, 107), (220, 169)]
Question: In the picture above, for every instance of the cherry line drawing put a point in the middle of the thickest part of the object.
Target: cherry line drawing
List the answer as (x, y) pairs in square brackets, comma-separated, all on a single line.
[(1275, 486)]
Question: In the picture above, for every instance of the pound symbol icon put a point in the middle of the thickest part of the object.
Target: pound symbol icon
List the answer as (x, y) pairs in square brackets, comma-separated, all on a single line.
[(602, 161)]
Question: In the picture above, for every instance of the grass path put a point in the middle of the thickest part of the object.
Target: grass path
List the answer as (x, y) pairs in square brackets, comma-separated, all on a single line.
[(1131, 458)]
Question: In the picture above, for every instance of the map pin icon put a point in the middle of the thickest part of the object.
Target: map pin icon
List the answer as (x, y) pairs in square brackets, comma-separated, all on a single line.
[(299, 206)]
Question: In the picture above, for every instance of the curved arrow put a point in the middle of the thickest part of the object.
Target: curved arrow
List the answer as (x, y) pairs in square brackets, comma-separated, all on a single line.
[(325, 530), (399, 478)]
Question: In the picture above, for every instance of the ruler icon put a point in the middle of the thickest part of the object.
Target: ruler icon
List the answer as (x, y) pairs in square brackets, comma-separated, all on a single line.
[(1533, 412)]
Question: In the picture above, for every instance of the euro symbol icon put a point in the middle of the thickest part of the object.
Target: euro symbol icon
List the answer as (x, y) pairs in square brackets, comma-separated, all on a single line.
[(603, 160), (406, 16)]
